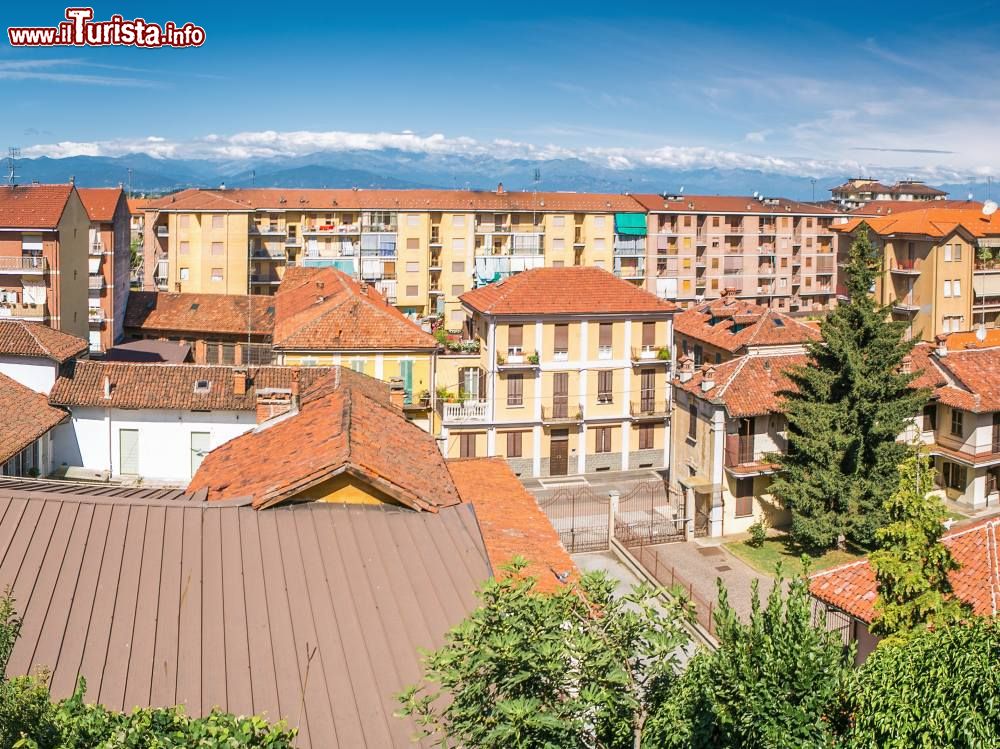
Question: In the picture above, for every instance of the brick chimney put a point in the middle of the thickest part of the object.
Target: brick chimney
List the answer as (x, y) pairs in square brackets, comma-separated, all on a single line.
[(707, 377), (295, 385), (906, 365), (686, 370), (500, 190), (397, 393), (239, 382), (942, 345)]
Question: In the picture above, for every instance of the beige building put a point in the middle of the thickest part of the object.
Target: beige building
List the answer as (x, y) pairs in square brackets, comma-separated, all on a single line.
[(44, 236), (860, 191), (940, 267), (776, 252), (572, 375), (108, 261)]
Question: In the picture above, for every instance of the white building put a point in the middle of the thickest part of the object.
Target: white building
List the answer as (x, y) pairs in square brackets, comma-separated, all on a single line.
[(31, 353)]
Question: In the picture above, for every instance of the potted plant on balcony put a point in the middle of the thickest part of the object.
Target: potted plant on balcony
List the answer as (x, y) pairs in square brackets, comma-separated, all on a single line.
[(500, 359), (985, 255), (663, 353), (533, 358)]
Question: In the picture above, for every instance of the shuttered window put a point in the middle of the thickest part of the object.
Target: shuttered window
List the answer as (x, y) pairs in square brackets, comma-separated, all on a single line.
[(515, 336), (648, 335), (513, 444), (605, 381), (515, 390), (602, 441), (604, 336), (646, 436), (467, 445), (561, 344), (692, 422)]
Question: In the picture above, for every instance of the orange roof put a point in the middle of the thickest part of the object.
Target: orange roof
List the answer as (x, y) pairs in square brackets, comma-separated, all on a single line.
[(728, 204), (746, 386), (888, 207), (33, 206), (339, 428), (27, 415), (324, 309), (929, 221), (292, 199), (967, 379), (100, 202), (34, 339), (152, 312), (968, 340), (510, 519), (137, 206), (576, 290), (852, 587), (733, 324)]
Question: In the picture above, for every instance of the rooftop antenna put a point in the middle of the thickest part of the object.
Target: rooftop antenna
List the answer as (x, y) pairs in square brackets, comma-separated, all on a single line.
[(681, 191), (13, 154), (989, 207), (130, 182), (253, 178)]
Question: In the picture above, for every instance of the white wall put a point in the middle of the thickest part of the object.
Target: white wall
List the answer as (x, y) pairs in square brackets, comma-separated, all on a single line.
[(90, 439), (37, 374)]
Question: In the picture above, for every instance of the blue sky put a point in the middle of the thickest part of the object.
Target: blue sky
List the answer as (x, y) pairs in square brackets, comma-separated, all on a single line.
[(905, 87)]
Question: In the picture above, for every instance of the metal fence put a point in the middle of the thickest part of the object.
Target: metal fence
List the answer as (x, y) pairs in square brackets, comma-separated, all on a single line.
[(580, 516), (650, 513), (667, 576)]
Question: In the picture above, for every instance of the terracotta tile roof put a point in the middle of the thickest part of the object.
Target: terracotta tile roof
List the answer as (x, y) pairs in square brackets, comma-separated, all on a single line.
[(511, 521), (137, 206), (20, 338), (152, 312), (33, 206), (967, 379), (852, 587), (888, 207), (168, 386), (870, 185), (101, 202), (756, 325), (968, 340), (932, 221), (569, 291), (748, 385), (338, 429), (414, 200), (202, 605), (729, 204), (324, 309), (27, 415)]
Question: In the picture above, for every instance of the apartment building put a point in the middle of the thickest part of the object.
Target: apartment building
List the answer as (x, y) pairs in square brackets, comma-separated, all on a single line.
[(44, 233), (137, 230), (572, 375), (940, 266), (776, 252), (109, 264), (860, 191), (421, 249)]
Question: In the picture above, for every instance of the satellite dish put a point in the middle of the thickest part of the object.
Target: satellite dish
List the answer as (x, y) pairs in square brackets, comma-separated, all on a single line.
[(981, 333), (989, 207), (681, 190), (755, 193)]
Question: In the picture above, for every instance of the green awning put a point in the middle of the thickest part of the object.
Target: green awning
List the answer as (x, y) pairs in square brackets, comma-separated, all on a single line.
[(633, 224)]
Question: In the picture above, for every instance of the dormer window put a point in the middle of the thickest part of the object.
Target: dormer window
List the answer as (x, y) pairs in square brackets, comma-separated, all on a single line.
[(202, 386)]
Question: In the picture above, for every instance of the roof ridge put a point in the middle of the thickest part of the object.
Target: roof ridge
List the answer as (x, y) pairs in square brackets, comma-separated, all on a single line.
[(37, 340), (736, 370)]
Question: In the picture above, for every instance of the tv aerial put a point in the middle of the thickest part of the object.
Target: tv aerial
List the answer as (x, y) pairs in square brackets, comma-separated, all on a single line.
[(13, 154)]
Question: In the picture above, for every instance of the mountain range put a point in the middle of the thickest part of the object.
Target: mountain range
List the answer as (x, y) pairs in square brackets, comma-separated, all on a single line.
[(392, 168)]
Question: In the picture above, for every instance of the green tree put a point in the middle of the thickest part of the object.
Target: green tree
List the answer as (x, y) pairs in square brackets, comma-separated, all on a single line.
[(912, 564), (939, 688), (578, 668), (776, 681), (848, 405)]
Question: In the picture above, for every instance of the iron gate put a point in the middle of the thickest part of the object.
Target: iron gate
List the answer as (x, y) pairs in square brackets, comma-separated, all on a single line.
[(580, 516), (650, 513)]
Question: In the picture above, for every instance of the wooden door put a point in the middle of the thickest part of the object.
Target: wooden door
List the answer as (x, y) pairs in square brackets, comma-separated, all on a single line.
[(560, 395), (559, 452)]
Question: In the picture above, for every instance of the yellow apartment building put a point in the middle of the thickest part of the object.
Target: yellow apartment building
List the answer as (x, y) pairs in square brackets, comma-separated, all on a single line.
[(421, 248), (572, 375), (940, 267)]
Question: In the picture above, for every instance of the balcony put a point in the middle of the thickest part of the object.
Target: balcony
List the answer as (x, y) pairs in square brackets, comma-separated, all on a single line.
[(386, 251), (162, 230), (649, 409), (270, 230), (293, 241), (905, 307), (561, 412), (765, 270), (95, 315), (326, 229), (264, 279), (650, 355), (578, 237), (742, 459), (435, 236), (519, 360), (264, 255), (24, 264), (96, 249), (379, 227), (732, 270), (23, 311), (493, 228), (464, 412), (824, 266), (796, 279), (630, 247), (987, 266), (95, 283)]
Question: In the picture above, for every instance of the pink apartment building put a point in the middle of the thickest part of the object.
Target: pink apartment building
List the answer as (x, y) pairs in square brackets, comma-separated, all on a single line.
[(109, 264), (779, 253)]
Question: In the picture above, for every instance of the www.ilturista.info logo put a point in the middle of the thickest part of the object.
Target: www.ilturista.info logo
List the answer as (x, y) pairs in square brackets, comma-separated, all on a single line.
[(80, 30)]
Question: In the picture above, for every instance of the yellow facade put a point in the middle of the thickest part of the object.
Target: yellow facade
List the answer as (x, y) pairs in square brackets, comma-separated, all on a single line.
[(345, 489), (382, 365), (208, 252)]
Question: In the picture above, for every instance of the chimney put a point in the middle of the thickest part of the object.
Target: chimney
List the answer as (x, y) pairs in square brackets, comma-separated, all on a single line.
[(906, 366), (942, 345), (500, 190), (707, 377), (686, 370), (107, 388), (397, 393), (295, 386), (239, 382)]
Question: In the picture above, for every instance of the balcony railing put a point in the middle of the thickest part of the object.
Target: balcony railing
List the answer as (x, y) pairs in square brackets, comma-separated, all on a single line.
[(470, 411), (631, 247), (95, 314), (264, 278), (269, 229), (264, 255), (96, 248), (562, 411), (648, 407), (520, 360), (740, 452), (379, 227), (651, 355), (24, 264), (494, 228), (331, 229), (23, 311), (95, 283)]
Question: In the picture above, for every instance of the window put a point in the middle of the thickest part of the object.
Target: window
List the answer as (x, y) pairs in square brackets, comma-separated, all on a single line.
[(604, 340), (469, 382), (602, 440), (185, 248), (947, 289), (744, 498), (412, 243), (218, 248), (957, 254), (457, 317), (605, 382), (957, 422), (598, 222), (648, 336), (185, 273), (646, 436), (412, 267), (458, 220), (458, 244), (515, 390), (693, 422), (558, 243), (412, 290), (558, 263), (183, 221), (457, 289), (218, 222), (515, 340), (467, 445), (560, 347), (947, 253), (954, 476), (217, 274), (930, 417), (558, 221), (514, 444), (956, 288), (699, 354), (600, 243), (458, 266), (413, 220)]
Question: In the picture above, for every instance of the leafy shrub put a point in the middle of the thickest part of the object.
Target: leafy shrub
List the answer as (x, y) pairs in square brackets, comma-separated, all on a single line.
[(758, 534)]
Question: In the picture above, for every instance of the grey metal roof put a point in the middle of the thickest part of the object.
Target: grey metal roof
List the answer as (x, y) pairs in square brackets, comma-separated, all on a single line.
[(312, 612)]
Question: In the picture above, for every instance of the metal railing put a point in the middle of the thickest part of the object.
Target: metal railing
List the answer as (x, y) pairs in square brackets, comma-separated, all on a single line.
[(651, 406), (95, 283), (562, 411), (24, 264)]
